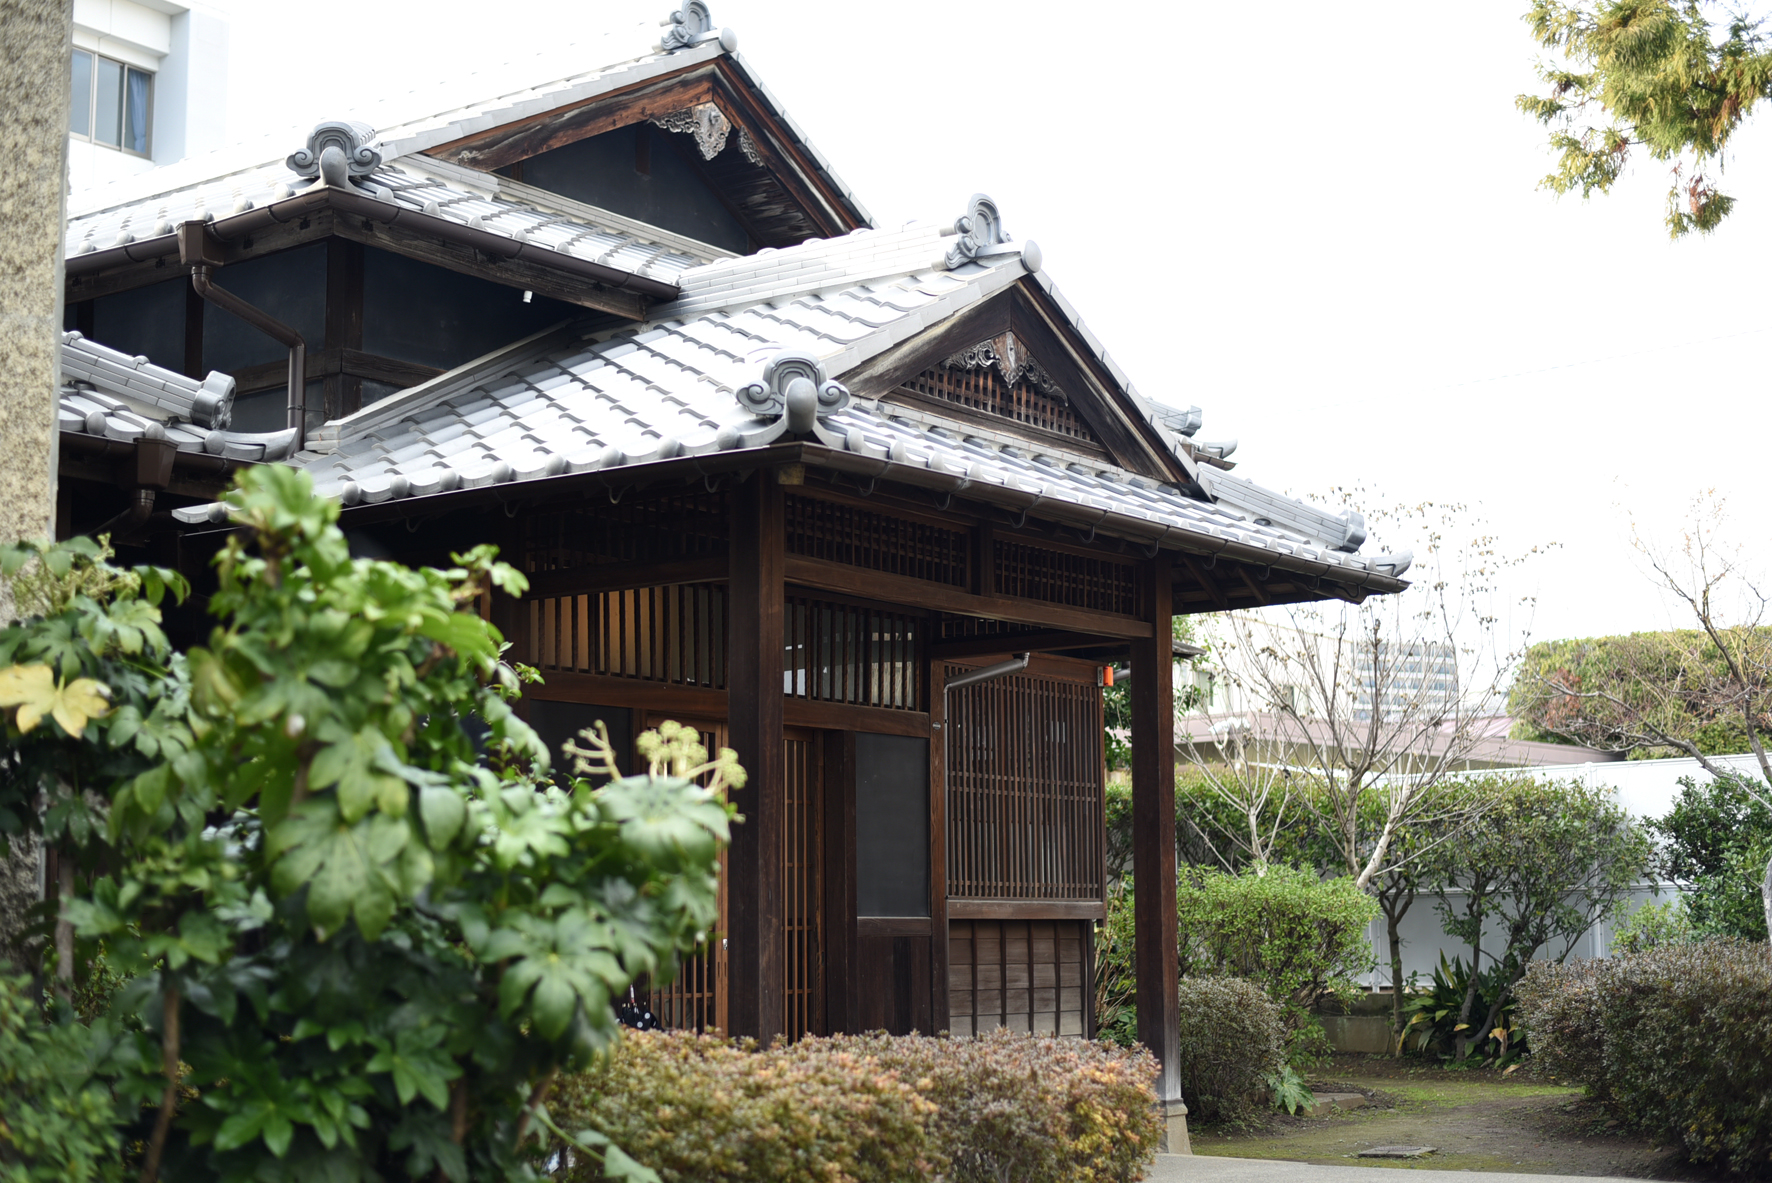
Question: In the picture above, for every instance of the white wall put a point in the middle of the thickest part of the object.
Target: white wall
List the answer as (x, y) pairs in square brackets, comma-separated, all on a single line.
[(1646, 789), (186, 47)]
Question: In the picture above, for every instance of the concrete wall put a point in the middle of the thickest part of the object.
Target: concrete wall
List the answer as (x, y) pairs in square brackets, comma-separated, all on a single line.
[(34, 48)]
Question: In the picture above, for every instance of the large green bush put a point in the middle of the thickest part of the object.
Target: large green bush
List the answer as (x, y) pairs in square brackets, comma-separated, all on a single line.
[(59, 1122), (1232, 1043), (1296, 936), (354, 943), (1716, 840), (1677, 1040), (856, 1109)]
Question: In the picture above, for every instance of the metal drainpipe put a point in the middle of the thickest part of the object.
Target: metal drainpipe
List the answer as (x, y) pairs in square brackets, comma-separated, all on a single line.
[(276, 329), (202, 253)]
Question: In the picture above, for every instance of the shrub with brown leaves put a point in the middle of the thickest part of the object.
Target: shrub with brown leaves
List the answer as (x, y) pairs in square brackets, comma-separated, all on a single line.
[(1676, 1040)]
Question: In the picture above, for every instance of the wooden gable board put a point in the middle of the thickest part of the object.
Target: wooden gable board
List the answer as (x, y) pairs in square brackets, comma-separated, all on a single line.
[(1023, 310), (787, 200)]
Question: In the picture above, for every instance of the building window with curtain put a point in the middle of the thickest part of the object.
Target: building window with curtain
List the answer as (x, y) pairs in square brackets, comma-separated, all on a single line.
[(111, 103)]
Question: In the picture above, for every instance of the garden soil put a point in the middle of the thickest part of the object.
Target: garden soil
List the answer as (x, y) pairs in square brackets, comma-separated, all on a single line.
[(1477, 1121)]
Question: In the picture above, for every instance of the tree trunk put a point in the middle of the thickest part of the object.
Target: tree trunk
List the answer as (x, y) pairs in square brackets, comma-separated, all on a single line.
[(1396, 940), (64, 928), (1766, 898)]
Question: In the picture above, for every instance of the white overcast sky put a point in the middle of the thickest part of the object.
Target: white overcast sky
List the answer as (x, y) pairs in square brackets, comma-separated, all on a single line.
[(1319, 222)]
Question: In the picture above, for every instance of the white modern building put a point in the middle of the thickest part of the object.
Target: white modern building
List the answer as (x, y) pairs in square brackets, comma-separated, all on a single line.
[(150, 81)]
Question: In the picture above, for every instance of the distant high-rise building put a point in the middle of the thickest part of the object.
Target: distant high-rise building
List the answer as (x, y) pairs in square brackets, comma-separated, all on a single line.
[(1392, 678)]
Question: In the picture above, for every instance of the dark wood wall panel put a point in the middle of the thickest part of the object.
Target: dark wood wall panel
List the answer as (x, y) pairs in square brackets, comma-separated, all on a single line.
[(1025, 790), (893, 973), (1026, 975), (634, 530)]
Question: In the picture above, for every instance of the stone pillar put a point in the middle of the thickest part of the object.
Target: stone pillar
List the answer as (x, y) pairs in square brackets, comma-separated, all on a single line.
[(35, 36)]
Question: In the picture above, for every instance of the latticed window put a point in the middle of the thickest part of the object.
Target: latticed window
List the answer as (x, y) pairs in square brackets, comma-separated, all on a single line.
[(1024, 790), (819, 529), (1059, 577), (999, 377), (860, 656)]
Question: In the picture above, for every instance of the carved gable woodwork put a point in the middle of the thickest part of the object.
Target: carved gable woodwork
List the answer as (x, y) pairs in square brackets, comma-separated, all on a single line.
[(999, 378)]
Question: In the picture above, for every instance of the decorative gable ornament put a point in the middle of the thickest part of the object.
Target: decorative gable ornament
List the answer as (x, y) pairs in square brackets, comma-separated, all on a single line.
[(1012, 363), (707, 123), (339, 155), (691, 25), (981, 236)]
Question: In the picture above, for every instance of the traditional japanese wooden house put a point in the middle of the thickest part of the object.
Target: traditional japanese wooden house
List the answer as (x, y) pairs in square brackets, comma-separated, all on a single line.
[(870, 505)]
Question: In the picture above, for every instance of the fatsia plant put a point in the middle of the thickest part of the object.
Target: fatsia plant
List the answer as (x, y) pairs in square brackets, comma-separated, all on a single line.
[(357, 941)]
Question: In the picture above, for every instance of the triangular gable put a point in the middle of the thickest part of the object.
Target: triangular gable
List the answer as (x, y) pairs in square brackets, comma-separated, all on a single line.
[(710, 121), (1001, 379), (1073, 402)]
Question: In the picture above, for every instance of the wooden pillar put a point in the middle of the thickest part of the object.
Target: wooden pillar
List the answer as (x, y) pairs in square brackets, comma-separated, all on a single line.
[(940, 1012), (344, 322), (754, 719), (1153, 849)]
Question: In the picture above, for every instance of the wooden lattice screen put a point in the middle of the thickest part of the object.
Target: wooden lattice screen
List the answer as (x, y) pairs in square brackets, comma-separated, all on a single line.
[(1059, 577), (983, 389), (819, 529), (1025, 790), (1026, 975), (802, 890), (845, 653), (680, 526), (695, 998), (653, 634)]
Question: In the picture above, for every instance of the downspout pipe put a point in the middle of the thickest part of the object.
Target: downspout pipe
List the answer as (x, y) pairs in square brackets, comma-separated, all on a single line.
[(199, 252)]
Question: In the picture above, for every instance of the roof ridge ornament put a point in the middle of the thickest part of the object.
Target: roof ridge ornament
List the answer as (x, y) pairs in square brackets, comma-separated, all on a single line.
[(691, 25), (339, 154), (982, 236), (794, 388)]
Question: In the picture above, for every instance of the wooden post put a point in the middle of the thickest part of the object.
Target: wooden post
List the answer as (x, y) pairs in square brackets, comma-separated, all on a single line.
[(1153, 848), (754, 716), (344, 322), (940, 1010)]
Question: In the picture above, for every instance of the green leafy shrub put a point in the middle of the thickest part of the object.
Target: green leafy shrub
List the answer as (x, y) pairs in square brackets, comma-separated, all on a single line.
[(867, 1108), (1655, 925), (1716, 840), (1232, 1046), (353, 943), (1676, 1040), (1296, 936), (58, 1120)]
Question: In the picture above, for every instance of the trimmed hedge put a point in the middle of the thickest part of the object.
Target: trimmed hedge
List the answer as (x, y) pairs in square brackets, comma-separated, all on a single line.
[(1232, 1041), (861, 1109), (1675, 1040)]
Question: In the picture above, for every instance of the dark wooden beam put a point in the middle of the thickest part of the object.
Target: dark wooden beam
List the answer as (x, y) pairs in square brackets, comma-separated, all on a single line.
[(331, 363), (1046, 641), (1027, 910), (1207, 584), (514, 273), (754, 720), (1153, 833), (901, 589), (268, 241), (500, 147), (344, 323), (1261, 596)]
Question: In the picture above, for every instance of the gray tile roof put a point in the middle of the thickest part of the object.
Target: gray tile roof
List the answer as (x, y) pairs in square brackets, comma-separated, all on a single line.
[(111, 395), (570, 400), (424, 186)]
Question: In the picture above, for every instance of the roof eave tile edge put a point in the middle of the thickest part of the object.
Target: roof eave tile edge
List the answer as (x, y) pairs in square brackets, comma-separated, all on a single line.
[(330, 436)]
